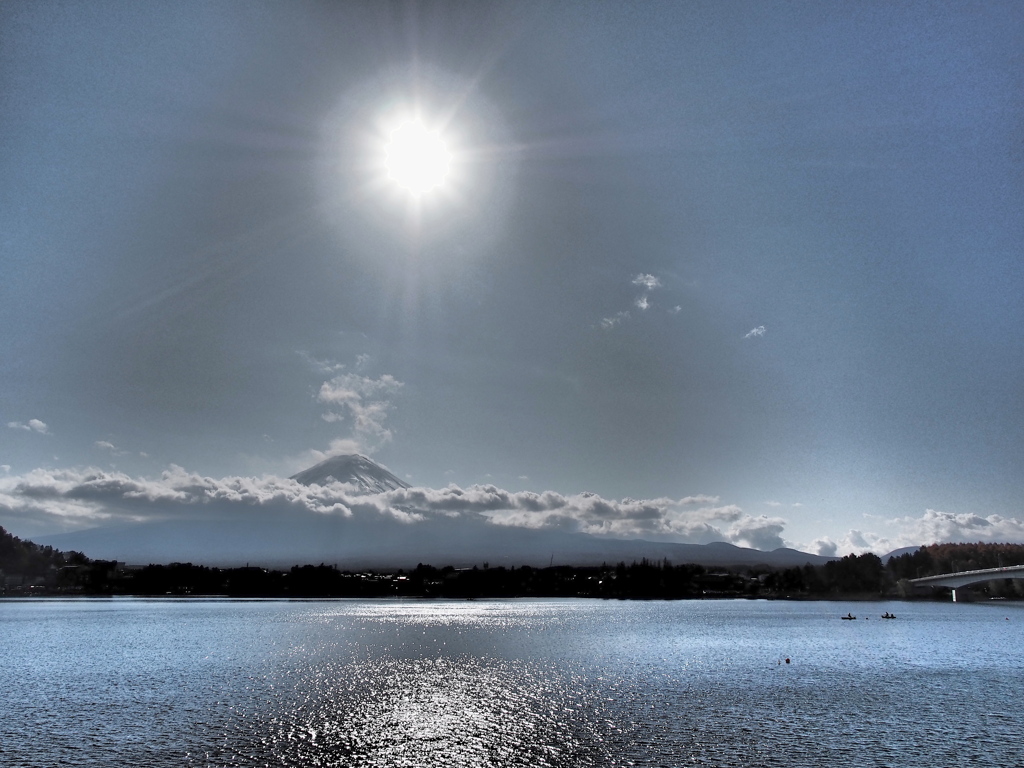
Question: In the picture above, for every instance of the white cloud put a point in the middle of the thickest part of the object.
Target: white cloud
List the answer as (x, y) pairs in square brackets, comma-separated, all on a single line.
[(824, 547), (33, 425), (5, 468), (338, 447), (610, 322), (642, 302), (758, 532), (321, 366), (362, 402), (80, 498), (755, 332), (774, 503), (676, 309), (933, 527), (657, 519), (106, 445), (650, 282)]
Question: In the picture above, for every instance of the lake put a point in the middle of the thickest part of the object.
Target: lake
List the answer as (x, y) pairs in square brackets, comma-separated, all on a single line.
[(211, 682)]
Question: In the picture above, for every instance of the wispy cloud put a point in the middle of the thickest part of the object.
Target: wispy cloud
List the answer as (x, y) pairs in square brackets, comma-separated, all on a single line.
[(326, 367), (780, 504), (650, 282), (33, 425), (608, 323), (642, 302), (106, 445), (362, 402), (755, 332)]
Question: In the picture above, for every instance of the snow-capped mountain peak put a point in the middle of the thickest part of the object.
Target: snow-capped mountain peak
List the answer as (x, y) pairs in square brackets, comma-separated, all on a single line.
[(353, 469)]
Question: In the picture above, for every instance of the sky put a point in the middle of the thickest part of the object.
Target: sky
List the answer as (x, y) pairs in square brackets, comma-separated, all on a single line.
[(741, 271)]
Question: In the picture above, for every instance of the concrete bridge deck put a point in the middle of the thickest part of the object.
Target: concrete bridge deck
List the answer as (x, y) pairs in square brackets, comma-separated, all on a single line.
[(965, 578)]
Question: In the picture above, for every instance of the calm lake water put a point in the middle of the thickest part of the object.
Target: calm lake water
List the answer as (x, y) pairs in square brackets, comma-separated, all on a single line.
[(134, 682)]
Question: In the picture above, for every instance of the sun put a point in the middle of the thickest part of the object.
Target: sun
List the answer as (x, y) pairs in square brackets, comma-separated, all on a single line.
[(417, 158)]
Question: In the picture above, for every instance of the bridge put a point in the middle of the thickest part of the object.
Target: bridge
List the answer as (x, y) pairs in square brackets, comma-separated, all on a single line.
[(963, 579)]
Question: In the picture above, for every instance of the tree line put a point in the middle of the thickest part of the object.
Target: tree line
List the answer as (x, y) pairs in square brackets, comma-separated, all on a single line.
[(27, 558), (49, 571), (866, 574)]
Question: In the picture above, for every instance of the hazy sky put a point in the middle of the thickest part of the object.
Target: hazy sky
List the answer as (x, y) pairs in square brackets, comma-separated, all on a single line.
[(766, 254)]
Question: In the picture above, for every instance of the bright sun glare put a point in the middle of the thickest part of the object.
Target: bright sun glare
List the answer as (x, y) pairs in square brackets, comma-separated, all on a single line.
[(417, 158)]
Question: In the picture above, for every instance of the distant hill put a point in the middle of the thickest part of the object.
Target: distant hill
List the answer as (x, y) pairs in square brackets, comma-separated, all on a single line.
[(352, 469), (21, 557), (899, 553), (301, 537)]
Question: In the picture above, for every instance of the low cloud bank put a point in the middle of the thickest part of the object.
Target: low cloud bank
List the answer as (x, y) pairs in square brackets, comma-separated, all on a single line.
[(73, 499), (46, 502), (933, 527)]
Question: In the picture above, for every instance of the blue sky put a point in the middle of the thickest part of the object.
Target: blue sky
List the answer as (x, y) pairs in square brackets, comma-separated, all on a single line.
[(763, 254)]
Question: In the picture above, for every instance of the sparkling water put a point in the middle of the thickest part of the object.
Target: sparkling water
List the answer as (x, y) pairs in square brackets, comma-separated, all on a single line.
[(195, 682)]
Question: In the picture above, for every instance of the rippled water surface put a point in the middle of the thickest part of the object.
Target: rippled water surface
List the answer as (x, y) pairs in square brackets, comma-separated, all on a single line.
[(128, 682)]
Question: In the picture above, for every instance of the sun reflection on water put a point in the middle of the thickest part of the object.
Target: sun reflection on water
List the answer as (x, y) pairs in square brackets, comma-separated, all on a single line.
[(421, 712)]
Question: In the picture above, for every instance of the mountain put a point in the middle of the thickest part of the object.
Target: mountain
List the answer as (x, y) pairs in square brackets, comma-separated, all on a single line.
[(899, 553), (222, 532), (289, 538), (353, 469)]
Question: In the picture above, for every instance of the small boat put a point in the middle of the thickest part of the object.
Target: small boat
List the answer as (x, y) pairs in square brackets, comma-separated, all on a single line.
[(888, 615), (848, 617)]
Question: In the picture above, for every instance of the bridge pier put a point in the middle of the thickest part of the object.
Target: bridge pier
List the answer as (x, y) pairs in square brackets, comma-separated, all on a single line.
[(963, 595)]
